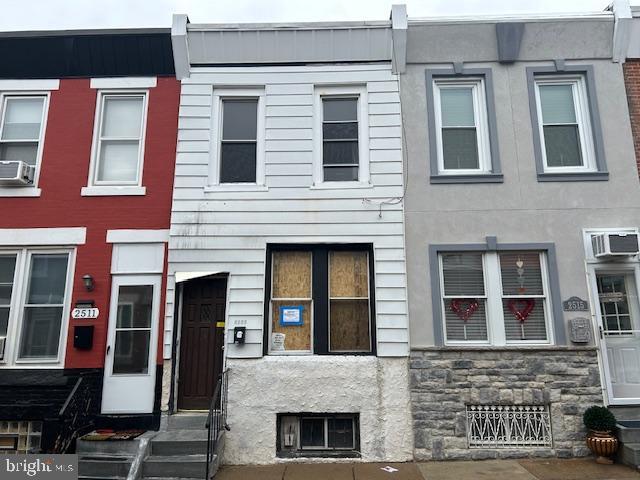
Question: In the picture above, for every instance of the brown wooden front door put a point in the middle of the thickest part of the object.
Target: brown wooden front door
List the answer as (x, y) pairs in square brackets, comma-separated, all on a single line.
[(201, 341)]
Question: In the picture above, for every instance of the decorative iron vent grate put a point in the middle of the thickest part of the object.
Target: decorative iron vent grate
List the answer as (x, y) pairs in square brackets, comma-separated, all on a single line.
[(506, 426)]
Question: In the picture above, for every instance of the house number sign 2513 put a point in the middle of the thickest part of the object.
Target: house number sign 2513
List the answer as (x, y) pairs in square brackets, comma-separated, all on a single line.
[(85, 313), (575, 304)]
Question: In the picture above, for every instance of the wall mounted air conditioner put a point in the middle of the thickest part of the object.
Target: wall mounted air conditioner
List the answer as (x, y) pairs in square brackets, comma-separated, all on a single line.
[(16, 172), (614, 244)]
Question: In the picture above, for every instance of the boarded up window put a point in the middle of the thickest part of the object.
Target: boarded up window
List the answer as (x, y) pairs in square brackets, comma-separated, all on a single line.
[(349, 324), (291, 287)]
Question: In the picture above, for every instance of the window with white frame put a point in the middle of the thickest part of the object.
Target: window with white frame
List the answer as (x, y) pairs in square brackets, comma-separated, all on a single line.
[(341, 133), (34, 286), (21, 131), (462, 130), (564, 124), (495, 298), (118, 150), (237, 160)]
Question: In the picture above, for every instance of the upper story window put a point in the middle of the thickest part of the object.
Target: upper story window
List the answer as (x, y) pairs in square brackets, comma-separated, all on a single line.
[(495, 298), (564, 124), (321, 300), (238, 146), (119, 139), (34, 286), (463, 142), (462, 130), (342, 138), (567, 134), (238, 139), (21, 131)]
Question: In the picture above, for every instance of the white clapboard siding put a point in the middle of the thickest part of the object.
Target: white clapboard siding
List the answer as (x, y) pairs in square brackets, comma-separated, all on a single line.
[(222, 230)]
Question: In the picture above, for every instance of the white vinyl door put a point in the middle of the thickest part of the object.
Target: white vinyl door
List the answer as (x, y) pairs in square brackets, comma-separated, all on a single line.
[(130, 363), (618, 312)]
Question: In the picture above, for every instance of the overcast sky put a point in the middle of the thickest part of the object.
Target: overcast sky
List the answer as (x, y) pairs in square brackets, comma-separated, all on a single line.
[(73, 14)]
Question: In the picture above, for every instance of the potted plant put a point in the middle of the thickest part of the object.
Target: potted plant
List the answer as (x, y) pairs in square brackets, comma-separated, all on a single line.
[(601, 441)]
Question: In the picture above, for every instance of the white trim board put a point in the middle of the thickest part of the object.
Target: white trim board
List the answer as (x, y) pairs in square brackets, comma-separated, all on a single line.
[(36, 85), (124, 82), (43, 236), (137, 236)]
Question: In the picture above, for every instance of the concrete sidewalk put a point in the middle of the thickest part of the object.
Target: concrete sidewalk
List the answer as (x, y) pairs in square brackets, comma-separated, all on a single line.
[(546, 469)]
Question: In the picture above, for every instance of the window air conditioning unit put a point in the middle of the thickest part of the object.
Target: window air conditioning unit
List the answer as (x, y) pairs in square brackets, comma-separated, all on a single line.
[(16, 172), (614, 244)]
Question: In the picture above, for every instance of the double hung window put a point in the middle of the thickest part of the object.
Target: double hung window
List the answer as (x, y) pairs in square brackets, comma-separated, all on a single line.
[(495, 298), (564, 124), (33, 297), (321, 300), (462, 132)]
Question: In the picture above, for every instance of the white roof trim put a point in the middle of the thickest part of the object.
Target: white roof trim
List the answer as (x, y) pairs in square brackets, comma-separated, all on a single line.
[(124, 82), (180, 44), (36, 85), (42, 236), (531, 18), (185, 276), (137, 236)]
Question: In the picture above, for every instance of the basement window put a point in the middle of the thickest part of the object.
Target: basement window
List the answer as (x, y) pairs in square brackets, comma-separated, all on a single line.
[(318, 435), (20, 437)]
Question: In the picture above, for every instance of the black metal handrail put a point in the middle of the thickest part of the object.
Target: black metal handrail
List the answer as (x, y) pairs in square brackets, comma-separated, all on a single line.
[(76, 415), (217, 418)]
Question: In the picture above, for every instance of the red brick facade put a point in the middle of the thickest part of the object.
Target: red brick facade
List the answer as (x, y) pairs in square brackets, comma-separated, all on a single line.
[(65, 168), (632, 82)]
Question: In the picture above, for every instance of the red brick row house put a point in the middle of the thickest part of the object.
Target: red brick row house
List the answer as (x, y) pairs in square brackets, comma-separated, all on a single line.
[(87, 151)]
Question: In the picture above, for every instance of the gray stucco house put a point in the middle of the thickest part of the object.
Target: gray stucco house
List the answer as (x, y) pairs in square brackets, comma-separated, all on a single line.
[(522, 212)]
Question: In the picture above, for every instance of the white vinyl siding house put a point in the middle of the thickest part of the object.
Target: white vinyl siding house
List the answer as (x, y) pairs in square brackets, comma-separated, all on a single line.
[(218, 228)]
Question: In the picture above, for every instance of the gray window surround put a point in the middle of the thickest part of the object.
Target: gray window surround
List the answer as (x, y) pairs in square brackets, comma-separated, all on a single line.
[(493, 246), (495, 176), (559, 69)]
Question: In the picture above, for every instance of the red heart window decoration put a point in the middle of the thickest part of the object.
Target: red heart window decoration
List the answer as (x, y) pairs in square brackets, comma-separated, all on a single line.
[(521, 308), (464, 307)]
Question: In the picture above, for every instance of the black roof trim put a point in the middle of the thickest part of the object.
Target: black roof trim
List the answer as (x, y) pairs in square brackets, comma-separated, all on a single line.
[(31, 55)]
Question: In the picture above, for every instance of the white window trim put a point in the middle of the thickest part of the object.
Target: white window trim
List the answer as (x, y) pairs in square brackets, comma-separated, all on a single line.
[(34, 85), (583, 119), (123, 82), (480, 119), (225, 93), (26, 237), (496, 335), (16, 314), (98, 188), (364, 177), (137, 236), (32, 190)]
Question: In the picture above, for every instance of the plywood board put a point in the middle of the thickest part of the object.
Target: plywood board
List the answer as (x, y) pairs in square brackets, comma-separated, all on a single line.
[(349, 274), (291, 275), (349, 328), (298, 337)]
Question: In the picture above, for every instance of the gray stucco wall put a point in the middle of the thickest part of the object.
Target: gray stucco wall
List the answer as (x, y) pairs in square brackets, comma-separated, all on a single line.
[(521, 209)]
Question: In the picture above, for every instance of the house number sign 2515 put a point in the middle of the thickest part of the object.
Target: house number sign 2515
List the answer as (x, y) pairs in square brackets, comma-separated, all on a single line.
[(575, 304), (85, 313)]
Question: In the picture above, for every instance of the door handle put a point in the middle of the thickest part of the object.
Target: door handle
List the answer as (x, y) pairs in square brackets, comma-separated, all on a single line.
[(108, 349)]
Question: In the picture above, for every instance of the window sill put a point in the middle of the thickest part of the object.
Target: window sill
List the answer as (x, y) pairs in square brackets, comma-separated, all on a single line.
[(108, 191), (20, 192), (573, 177), (468, 178), (240, 187), (320, 454), (340, 185)]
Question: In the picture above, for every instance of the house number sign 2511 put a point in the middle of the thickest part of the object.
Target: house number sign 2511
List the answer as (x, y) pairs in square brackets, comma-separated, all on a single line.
[(85, 313), (575, 304)]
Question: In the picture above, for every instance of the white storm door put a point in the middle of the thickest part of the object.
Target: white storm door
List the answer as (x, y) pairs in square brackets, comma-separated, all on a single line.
[(619, 316), (130, 363)]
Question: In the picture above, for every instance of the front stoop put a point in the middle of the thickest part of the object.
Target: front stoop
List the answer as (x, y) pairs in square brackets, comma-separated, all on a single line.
[(181, 451), (107, 460)]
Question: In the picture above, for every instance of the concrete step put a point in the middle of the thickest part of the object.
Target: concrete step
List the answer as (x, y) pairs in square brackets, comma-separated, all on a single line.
[(175, 466), (629, 431), (117, 448), (104, 466), (630, 454), (187, 421), (180, 442)]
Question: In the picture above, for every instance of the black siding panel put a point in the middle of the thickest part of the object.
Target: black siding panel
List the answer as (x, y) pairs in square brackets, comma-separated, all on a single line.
[(86, 55)]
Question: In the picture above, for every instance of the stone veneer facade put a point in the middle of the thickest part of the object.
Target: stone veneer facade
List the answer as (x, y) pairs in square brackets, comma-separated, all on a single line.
[(445, 380)]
